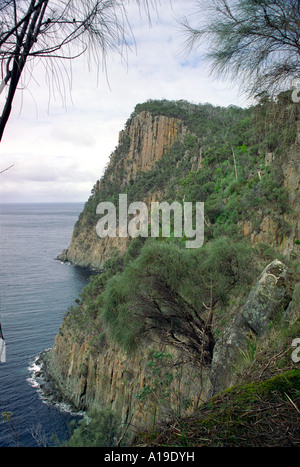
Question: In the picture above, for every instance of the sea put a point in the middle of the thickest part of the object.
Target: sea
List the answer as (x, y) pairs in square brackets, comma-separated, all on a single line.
[(36, 291)]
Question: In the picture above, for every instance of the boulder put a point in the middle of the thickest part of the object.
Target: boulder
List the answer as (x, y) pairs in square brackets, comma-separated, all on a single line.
[(269, 298), (271, 294)]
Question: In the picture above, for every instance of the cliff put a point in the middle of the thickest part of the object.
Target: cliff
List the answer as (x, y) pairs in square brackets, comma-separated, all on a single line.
[(125, 383), (179, 151), (163, 329), (269, 227), (158, 382), (142, 143), (149, 136)]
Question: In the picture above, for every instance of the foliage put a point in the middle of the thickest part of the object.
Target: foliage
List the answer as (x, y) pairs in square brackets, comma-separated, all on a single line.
[(182, 298), (99, 428), (174, 291), (34, 30), (157, 386), (235, 184), (230, 177), (261, 408), (258, 414), (253, 41)]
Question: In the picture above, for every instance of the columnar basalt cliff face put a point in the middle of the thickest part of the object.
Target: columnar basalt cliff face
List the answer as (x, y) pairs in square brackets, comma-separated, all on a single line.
[(143, 142), (150, 137), (114, 379)]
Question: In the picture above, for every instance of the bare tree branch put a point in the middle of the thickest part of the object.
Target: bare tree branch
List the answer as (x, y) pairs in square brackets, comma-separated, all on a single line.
[(253, 41), (64, 30), (4, 170)]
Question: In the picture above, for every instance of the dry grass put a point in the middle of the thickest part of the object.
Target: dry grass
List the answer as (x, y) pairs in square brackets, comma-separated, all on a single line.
[(265, 414), (262, 411)]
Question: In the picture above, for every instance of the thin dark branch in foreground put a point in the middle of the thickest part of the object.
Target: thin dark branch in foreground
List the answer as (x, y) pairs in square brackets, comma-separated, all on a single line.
[(6, 169)]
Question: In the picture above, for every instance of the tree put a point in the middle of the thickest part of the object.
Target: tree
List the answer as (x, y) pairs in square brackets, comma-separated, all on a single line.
[(174, 296), (32, 30), (257, 41), (159, 305)]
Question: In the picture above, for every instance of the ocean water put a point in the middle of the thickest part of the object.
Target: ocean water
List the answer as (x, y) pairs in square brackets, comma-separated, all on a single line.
[(35, 292)]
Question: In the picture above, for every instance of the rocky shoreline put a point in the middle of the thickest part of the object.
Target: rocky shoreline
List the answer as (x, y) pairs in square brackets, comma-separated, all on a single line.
[(46, 385)]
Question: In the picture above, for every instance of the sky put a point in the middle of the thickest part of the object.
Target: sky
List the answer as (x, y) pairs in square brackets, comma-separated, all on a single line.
[(58, 143)]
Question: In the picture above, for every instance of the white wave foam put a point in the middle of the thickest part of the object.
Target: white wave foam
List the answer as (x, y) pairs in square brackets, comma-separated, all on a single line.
[(36, 380)]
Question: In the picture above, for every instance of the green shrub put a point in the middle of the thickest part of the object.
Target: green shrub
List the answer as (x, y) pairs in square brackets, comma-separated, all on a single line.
[(99, 428), (164, 290)]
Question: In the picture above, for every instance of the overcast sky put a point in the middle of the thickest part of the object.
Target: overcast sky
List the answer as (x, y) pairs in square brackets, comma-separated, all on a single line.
[(59, 145)]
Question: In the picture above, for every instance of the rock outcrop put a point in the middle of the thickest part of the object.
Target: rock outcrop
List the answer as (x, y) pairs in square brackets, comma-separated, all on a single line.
[(149, 138), (125, 383), (269, 298)]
